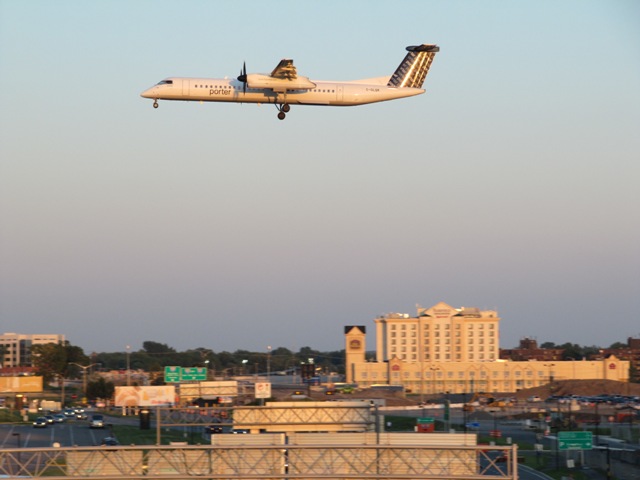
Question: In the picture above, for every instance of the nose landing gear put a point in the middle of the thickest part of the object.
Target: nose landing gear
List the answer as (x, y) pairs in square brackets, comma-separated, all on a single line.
[(155, 104)]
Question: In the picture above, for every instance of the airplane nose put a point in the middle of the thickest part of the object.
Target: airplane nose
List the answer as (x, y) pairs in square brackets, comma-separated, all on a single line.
[(148, 93)]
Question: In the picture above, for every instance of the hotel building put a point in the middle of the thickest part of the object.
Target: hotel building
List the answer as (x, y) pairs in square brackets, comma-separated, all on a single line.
[(456, 350)]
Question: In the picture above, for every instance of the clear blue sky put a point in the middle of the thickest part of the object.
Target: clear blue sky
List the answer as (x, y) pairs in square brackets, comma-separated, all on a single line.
[(513, 183)]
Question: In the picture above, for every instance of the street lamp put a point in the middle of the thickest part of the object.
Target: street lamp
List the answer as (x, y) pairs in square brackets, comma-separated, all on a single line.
[(206, 365), (84, 374), (269, 363), (128, 365), (550, 365)]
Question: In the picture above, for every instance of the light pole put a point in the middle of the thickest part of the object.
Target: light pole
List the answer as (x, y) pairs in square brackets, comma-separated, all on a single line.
[(128, 365), (84, 375), (550, 365), (269, 363)]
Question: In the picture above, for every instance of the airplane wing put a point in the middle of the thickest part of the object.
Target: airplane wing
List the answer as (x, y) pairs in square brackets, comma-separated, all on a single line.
[(282, 79), (285, 70)]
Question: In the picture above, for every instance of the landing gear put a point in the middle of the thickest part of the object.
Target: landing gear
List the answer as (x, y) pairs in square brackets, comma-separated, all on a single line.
[(282, 110), (155, 104), (283, 107)]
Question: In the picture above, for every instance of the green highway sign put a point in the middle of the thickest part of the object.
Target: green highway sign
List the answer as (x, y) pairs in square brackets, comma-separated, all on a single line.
[(194, 374), (181, 374), (575, 440), (426, 420), (172, 374)]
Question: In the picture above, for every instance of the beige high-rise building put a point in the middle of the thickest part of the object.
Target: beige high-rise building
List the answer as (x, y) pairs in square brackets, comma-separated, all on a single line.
[(439, 334)]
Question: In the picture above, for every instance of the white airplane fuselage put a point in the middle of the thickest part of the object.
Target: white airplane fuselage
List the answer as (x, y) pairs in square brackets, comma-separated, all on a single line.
[(283, 87), (232, 90)]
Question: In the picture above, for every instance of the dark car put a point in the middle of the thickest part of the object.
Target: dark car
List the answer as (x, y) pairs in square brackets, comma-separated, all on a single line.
[(40, 422), (110, 441)]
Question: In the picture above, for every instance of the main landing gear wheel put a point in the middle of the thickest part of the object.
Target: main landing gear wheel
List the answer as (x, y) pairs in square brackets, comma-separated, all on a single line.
[(155, 104), (282, 109)]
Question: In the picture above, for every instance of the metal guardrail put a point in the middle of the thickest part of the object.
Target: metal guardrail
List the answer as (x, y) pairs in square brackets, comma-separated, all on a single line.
[(275, 462)]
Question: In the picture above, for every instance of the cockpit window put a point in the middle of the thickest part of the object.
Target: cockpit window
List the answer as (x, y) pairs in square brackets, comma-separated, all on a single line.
[(166, 82)]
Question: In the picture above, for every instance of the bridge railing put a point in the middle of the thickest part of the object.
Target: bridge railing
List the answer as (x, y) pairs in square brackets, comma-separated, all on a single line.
[(348, 462)]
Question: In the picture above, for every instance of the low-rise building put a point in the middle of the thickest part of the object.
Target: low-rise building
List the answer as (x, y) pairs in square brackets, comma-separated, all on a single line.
[(630, 352), (529, 350)]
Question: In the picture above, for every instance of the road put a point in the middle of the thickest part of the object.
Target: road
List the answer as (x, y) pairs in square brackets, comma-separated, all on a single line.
[(67, 434)]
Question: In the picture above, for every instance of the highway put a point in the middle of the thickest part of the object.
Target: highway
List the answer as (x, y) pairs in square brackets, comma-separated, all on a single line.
[(68, 434)]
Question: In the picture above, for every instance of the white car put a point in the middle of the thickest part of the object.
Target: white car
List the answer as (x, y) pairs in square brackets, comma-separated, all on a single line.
[(97, 421), (534, 398)]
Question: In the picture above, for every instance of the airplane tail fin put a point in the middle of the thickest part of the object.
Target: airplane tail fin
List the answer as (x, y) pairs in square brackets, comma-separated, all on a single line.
[(415, 66)]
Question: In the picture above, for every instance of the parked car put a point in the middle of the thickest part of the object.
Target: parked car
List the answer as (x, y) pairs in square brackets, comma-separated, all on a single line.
[(59, 418), (534, 398), (49, 419), (97, 421), (40, 422)]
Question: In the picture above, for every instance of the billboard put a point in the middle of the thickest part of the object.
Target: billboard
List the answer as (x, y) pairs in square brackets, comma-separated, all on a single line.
[(145, 396), (21, 384), (209, 390)]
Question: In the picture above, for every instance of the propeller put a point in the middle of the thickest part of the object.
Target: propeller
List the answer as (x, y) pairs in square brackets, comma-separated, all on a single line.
[(243, 77)]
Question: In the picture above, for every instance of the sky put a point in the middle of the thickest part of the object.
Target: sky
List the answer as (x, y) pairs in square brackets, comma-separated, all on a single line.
[(511, 184)]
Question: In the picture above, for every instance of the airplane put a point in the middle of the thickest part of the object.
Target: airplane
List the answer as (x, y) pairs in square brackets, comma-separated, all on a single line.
[(283, 87)]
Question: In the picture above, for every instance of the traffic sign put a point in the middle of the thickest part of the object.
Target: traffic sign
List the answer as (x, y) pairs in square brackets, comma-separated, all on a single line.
[(194, 374), (575, 440), (263, 390), (181, 374), (172, 374), (426, 420)]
